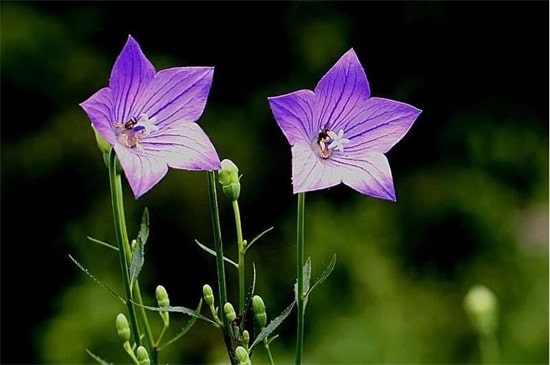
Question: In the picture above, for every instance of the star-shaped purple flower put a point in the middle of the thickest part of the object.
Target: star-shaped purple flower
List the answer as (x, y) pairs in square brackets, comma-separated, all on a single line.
[(149, 118), (339, 133)]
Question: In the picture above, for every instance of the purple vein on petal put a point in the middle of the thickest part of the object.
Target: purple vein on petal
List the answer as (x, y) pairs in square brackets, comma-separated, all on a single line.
[(348, 162), (330, 120), (397, 130), (344, 108), (173, 99), (326, 102), (158, 99), (306, 125)]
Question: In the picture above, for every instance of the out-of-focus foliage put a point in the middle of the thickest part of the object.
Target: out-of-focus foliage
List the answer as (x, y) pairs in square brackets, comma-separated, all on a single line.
[(471, 178)]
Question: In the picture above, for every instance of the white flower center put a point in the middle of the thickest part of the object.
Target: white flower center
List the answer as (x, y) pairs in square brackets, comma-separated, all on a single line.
[(130, 132), (328, 141)]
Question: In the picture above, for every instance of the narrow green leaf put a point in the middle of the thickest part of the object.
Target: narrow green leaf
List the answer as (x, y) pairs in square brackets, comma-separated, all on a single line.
[(307, 274), (324, 275), (257, 238), (109, 290), (138, 254), (184, 329), (97, 358), (95, 240), (253, 279), (212, 252), (143, 233), (184, 310), (272, 325)]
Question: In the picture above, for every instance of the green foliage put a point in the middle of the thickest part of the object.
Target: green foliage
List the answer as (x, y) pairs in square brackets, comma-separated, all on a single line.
[(471, 181)]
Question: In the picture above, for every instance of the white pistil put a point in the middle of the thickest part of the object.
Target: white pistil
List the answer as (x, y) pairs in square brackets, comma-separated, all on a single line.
[(337, 140), (149, 124)]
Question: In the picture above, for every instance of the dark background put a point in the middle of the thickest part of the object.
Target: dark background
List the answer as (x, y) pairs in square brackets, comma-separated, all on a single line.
[(471, 176)]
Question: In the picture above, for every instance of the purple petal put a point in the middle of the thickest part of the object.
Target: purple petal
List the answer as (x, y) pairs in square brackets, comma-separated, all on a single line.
[(185, 147), (309, 172), (342, 92), (99, 108), (368, 173), (142, 171), (130, 76), (177, 94), (294, 114), (380, 125)]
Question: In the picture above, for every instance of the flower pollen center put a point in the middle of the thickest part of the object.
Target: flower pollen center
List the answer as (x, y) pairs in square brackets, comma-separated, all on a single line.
[(327, 141), (130, 132)]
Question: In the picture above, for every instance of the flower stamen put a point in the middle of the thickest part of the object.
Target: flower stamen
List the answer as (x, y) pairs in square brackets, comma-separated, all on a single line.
[(129, 133), (328, 140)]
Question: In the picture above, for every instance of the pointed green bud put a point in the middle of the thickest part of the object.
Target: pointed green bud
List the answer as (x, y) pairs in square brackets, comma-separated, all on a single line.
[(242, 356), (122, 327), (481, 305), (259, 310), (246, 338), (162, 296), (229, 180), (229, 312), (208, 295), (142, 356), (163, 301), (103, 145)]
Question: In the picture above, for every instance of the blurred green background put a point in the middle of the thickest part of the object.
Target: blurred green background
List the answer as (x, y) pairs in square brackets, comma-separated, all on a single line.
[(471, 177)]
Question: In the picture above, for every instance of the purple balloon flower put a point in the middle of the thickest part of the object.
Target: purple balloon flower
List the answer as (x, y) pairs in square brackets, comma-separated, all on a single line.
[(339, 133), (149, 118)]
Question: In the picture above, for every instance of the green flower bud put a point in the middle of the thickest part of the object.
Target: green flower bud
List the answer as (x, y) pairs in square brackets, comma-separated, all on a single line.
[(246, 338), (163, 301), (242, 356), (103, 145), (481, 305), (208, 295), (142, 356), (229, 180), (229, 312), (259, 310), (122, 327), (162, 296)]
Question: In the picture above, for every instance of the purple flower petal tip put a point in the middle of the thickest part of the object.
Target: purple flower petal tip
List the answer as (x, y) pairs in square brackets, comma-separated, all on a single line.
[(339, 133), (149, 118)]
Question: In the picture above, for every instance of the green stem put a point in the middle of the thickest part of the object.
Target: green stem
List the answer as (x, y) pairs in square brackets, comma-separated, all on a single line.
[(222, 291), (489, 349), (300, 274), (241, 247), (268, 351), (122, 239), (145, 321)]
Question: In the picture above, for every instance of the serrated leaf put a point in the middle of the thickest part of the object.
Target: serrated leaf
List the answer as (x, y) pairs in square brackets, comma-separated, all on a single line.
[(180, 309), (184, 329), (95, 240), (266, 331), (306, 275), (212, 252), (257, 238), (109, 290), (143, 233), (97, 358), (323, 275), (138, 254)]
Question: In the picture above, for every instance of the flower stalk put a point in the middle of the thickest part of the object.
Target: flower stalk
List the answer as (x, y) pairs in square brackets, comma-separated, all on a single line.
[(222, 289), (300, 242), (241, 247), (122, 239)]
